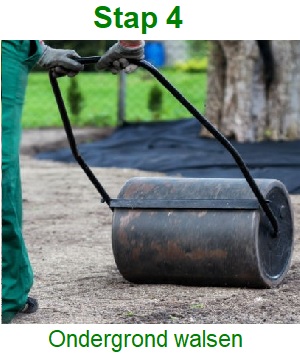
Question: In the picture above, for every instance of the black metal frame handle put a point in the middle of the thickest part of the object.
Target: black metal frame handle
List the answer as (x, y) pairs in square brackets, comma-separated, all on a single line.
[(68, 128), (222, 139)]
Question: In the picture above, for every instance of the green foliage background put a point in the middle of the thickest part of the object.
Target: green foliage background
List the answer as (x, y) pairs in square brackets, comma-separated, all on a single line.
[(98, 91)]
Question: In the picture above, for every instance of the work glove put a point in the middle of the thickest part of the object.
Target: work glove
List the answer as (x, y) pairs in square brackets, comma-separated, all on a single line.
[(116, 58), (61, 61)]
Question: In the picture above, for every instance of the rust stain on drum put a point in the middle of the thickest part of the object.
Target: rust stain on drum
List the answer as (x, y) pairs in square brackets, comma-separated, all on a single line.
[(135, 253), (175, 252), (131, 190), (125, 221)]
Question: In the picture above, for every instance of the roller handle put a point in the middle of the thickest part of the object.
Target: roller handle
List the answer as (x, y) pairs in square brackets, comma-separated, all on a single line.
[(218, 135), (88, 60), (68, 128)]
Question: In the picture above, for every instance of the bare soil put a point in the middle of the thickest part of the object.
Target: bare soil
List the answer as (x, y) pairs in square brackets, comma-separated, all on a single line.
[(68, 235)]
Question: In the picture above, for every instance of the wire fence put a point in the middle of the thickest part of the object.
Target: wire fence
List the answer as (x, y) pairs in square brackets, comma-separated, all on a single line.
[(101, 99)]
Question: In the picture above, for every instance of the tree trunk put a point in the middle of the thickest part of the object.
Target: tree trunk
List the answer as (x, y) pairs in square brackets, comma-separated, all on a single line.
[(253, 90)]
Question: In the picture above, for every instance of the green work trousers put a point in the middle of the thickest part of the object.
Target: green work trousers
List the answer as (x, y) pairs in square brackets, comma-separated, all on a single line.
[(18, 57)]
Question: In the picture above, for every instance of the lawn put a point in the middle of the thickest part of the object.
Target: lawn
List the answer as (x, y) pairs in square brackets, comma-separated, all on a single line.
[(99, 93)]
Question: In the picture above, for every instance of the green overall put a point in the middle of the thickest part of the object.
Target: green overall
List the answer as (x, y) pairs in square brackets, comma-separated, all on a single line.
[(18, 58)]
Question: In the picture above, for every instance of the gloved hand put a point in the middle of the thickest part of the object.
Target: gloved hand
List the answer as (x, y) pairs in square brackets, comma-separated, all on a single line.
[(115, 59), (62, 61)]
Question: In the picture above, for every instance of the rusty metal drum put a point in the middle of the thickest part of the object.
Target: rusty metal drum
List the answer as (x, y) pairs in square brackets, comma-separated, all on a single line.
[(204, 232)]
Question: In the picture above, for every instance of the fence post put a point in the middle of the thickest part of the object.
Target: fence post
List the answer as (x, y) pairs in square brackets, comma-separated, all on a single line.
[(121, 99)]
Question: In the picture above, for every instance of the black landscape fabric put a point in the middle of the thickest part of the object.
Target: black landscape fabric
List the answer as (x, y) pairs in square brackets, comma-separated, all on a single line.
[(176, 149)]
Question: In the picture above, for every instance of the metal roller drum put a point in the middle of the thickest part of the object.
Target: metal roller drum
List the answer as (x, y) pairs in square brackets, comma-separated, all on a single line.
[(205, 232)]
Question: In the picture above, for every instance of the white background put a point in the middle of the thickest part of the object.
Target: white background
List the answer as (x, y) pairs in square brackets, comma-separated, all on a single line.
[(209, 19), (257, 339)]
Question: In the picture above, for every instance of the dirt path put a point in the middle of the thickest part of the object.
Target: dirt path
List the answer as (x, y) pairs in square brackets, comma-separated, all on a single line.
[(68, 234)]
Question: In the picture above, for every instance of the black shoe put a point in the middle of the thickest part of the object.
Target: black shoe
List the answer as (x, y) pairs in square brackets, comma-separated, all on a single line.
[(31, 306)]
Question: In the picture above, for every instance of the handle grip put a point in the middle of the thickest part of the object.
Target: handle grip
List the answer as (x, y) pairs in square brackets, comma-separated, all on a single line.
[(88, 60)]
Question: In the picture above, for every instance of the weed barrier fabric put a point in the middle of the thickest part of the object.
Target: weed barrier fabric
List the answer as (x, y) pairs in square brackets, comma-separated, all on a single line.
[(176, 149)]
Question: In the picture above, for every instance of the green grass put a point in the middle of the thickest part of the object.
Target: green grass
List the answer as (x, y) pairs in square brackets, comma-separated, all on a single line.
[(100, 91)]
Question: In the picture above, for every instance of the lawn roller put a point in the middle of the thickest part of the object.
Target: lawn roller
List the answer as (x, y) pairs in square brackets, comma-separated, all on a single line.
[(196, 231)]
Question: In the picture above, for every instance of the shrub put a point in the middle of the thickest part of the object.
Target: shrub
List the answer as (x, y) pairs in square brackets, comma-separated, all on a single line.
[(155, 101), (192, 65), (75, 99)]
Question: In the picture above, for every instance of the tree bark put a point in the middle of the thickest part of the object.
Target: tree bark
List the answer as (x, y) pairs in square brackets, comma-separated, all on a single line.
[(253, 90)]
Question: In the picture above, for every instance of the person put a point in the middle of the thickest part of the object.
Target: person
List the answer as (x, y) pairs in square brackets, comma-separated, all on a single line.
[(18, 58)]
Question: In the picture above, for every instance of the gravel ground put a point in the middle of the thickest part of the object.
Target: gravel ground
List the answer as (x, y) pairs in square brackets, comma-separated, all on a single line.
[(68, 234)]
